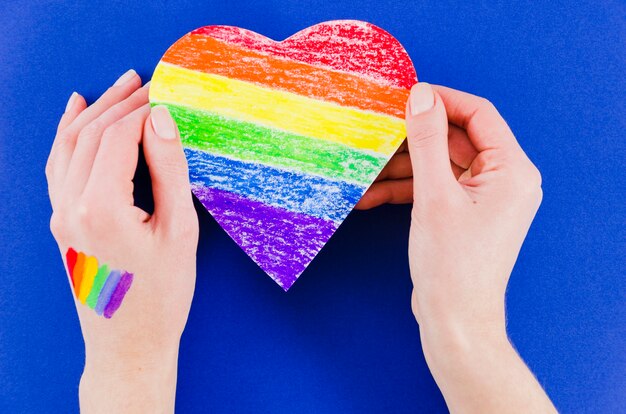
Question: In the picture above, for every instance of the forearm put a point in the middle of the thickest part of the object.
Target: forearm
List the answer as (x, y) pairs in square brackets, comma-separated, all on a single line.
[(129, 384), (479, 371)]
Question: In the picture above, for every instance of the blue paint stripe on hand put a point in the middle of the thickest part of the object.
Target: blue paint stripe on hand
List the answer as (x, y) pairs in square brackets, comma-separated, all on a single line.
[(107, 290), (293, 191)]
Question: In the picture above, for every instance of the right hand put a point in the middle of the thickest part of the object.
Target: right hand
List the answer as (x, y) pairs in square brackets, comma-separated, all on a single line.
[(466, 233)]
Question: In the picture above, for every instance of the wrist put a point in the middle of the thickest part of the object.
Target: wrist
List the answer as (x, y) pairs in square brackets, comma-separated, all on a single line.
[(454, 346), (121, 360), (129, 381), (456, 318)]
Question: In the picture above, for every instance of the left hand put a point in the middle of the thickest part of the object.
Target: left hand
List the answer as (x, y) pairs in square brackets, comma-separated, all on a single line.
[(90, 181)]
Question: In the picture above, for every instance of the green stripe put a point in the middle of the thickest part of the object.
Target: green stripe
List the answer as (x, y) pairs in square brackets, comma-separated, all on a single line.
[(98, 282), (250, 142)]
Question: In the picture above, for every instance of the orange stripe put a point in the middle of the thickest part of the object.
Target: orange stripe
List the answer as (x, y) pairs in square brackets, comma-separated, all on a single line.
[(205, 54), (78, 272)]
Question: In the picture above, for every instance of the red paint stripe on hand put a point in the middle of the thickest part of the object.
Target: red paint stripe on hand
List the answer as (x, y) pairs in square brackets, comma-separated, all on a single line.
[(70, 260)]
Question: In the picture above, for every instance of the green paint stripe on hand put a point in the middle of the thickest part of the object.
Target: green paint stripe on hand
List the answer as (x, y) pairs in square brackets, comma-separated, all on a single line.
[(98, 282)]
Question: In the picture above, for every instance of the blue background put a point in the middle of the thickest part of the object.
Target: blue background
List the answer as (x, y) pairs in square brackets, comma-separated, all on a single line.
[(343, 338)]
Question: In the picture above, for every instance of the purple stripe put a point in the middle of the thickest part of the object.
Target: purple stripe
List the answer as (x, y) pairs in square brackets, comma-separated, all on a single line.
[(281, 242), (107, 291), (118, 294)]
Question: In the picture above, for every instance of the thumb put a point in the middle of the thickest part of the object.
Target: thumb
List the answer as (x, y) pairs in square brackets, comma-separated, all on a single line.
[(168, 166), (427, 136)]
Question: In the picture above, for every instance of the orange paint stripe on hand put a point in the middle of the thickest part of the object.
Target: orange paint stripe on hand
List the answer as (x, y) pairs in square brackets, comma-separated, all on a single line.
[(78, 272), (205, 54), (89, 273)]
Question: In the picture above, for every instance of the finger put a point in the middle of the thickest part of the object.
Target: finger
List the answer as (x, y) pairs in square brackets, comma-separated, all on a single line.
[(168, 169), (485, 127), (66, 139), (89, 139), (75, 105), (116, 160), (427, 134), (461, 150), (466, 175), (390, 191), (399, 166)]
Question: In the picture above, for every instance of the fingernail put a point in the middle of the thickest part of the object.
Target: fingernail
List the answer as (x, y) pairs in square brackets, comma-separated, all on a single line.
[(125, 77), (70, 102), (147, 84), (422, 98), (162, 122)]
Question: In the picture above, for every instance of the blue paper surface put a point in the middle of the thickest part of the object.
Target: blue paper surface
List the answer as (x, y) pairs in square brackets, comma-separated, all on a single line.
[(343, 340)]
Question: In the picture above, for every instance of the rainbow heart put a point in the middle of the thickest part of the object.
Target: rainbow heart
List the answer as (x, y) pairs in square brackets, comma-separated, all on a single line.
[(283, 138)]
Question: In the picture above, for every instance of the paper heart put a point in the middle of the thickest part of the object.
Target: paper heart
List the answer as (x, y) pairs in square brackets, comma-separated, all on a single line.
[(283, 138)]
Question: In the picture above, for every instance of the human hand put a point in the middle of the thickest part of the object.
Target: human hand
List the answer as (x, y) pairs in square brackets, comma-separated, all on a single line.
[(90, 172), (465, 233), (394, 184), (467, 228)]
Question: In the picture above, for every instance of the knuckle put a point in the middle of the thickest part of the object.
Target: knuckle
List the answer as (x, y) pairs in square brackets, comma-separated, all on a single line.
[(172, 165), (424, 136), (110, 135), (58, 226), (486, 105), (484, 159), (536, 176), (54, 226), (535, 181), (49, 170), (527, 182), (83, 212), (488, 160), (118, 111), (415, 305), (88, 216), (124, 106), (114, 130), (539, 196), (94, 128), (64, 137)]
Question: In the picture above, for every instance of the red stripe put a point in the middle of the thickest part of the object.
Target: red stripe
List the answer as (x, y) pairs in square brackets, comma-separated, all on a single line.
[(70, 260), (343, 45)]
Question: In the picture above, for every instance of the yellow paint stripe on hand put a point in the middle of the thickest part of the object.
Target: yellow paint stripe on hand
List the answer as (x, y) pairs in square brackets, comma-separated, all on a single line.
[(287, 111), (89, 273)]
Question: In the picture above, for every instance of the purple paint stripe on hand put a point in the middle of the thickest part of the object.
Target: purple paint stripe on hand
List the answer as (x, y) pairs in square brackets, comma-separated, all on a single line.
[(119, 293), (281, 242), (107, 291)]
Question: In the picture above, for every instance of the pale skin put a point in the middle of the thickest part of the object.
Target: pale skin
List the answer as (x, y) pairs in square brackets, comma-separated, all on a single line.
[(474, 195)]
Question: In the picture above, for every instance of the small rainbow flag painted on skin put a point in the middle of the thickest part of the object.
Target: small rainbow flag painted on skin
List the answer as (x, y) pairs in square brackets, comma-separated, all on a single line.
[(283, 138), (100, 288)]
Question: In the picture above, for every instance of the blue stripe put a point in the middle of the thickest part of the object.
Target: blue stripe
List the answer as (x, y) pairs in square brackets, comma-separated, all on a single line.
[(107, 291), (294, 191)]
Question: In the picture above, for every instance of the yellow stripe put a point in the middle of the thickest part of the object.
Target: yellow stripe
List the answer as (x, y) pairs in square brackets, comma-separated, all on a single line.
[(277, 109), (89, 273)]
